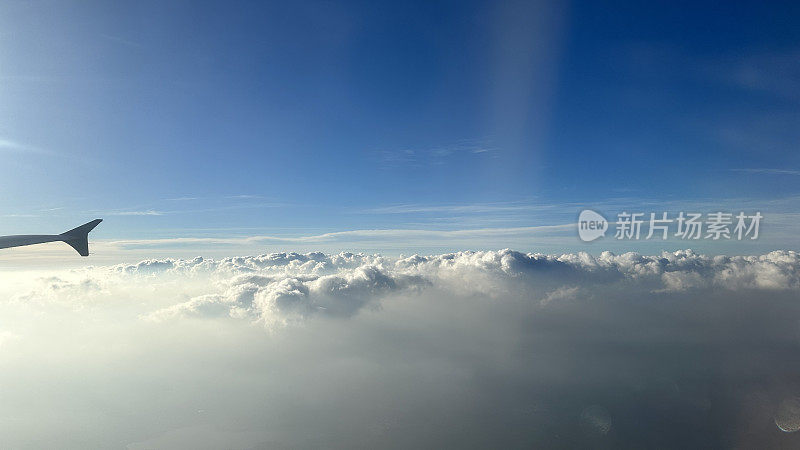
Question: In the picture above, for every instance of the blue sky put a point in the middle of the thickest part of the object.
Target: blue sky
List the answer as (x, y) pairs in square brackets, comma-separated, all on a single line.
[(226, 120)]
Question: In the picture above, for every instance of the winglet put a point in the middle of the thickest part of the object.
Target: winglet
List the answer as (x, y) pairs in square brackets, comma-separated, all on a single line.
[(78, 238)]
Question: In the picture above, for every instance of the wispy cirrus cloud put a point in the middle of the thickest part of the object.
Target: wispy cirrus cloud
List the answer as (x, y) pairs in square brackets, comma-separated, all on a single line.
[(149, 212), (777, 73), (769, 171), (189, 198), (381, 234), (10, 145), (181, 199), (435, 155), (216, 206), (490, 207)]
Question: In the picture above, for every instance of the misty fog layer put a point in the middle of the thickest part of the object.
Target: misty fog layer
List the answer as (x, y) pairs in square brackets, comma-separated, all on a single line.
[(470, 350)]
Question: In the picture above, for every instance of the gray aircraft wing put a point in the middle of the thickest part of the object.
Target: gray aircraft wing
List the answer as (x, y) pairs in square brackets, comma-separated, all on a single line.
[(77, 238)]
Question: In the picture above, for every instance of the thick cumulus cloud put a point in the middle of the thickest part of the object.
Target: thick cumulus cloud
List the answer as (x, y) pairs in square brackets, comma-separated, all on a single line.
[(276, 287), (468, 350), (280, 284)]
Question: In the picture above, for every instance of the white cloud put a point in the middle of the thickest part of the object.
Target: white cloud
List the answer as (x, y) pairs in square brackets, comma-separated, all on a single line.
[(560, 294), (770, 171), (474, 208), (148, 212), (8, 145), (277, 287), (482, 349)]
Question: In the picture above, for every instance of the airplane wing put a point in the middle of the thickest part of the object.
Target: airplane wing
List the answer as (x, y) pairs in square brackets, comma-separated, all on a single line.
[(77, 238)]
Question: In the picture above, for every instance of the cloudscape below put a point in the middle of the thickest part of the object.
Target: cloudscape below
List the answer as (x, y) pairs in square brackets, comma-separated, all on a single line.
[(466, 349)]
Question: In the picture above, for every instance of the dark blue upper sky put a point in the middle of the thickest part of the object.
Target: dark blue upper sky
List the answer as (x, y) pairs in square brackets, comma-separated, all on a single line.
[(178, 117)]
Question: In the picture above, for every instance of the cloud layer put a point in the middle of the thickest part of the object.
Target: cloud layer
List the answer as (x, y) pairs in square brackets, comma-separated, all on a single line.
[(279, 286), (467, 349)]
